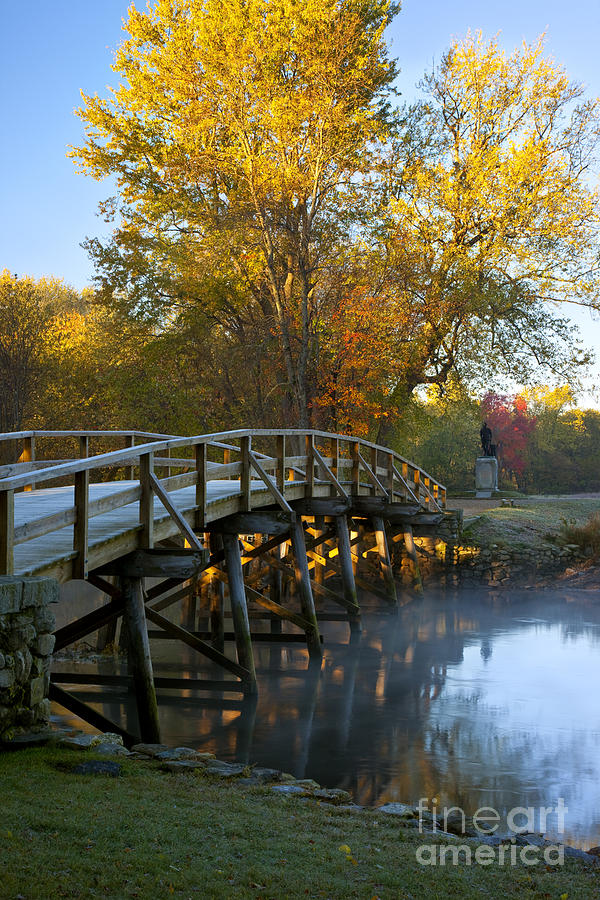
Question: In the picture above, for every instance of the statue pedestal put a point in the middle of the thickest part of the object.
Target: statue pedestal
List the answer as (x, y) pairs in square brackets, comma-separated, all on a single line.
[(486, 476)]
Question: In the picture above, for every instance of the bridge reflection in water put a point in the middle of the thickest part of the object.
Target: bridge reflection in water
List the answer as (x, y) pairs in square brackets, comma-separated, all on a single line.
[(474, 699)]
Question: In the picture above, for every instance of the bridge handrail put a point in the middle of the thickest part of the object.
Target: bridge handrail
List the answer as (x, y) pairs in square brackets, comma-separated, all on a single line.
[(160, 442), (92, 432), (396, 478)]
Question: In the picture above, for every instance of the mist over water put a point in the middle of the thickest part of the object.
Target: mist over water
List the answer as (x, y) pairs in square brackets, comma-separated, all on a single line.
[(475, 698)]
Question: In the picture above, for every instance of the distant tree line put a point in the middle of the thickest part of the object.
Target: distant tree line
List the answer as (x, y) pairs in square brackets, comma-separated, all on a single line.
[(69, 362), (545, 444)]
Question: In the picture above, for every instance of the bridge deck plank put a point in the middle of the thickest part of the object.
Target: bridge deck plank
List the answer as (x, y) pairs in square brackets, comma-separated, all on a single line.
[(114, 532)]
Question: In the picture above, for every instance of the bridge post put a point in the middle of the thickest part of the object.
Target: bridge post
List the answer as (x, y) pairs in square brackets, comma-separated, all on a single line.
[(302, 579), (139, 658), (7, 532), (239, 608), (201, 486), (147, 500), (245, 448), (80, 529), (130, 470), (28, 455), (385, 562)]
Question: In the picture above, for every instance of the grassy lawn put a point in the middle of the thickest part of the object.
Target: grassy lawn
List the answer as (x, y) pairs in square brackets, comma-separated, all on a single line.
[(532, 524), (150, 834)]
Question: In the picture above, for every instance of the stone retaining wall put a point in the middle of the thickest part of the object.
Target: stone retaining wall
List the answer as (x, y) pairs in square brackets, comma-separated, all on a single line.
[(444, 560), (453, 564), (26, 644)]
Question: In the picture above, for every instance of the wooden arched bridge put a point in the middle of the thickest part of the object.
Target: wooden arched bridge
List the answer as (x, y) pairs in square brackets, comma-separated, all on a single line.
[(256, 521)]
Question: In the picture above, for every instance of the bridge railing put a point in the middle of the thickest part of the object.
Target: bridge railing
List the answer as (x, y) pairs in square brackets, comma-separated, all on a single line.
[(290, 463)]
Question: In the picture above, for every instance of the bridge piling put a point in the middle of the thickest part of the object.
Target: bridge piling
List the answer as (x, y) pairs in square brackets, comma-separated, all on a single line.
[(302, 577), (346, 570), (139, 658), (411, 550), (385, 562), (239, 609)]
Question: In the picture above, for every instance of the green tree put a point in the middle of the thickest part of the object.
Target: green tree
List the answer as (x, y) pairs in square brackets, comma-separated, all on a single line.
[(441, 433), (236, 137)]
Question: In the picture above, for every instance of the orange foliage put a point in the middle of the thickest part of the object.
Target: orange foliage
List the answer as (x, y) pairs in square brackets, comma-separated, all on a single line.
[(357, 364)]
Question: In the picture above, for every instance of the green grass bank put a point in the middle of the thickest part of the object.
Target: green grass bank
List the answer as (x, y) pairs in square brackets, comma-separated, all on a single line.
[(151, 834)]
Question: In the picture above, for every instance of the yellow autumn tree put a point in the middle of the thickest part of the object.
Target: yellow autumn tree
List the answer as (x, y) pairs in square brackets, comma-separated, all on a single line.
[(490, 215), (236, 129)]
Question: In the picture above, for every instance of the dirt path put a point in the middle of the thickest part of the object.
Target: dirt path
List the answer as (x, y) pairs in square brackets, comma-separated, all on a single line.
[(473, 506)]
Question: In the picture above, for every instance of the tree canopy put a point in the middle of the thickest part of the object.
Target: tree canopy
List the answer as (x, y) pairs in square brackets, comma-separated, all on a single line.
[(490, 216), (235, 131), (273, 204)]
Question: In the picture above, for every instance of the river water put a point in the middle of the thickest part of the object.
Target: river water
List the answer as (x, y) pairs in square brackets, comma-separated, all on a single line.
[(477, 699)]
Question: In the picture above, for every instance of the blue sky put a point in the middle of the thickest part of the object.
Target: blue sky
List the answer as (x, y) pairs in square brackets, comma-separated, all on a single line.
[(50, 52)]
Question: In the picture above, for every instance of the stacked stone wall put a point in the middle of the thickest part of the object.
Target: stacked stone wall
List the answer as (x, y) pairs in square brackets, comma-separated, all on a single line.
[(26, 644), (445, 560), (454, 563)]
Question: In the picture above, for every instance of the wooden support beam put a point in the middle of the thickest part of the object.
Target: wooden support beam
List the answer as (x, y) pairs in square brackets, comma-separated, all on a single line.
[(185, 529), (318, 539), (411, 552), (239, 609), (302, 577), (262, 549), (346, 570), (279, 610), (217, 598), (380, 506), (276, 585), (385, 562), (182, 634), (263, 521), (107, 633), (79, 629), (107, 587), (327, 473), (269, 483), (160, 682), (158, 590), (321, 506), (158, 562), (139, 658), (278, 565), (171, 599), (92, 716)]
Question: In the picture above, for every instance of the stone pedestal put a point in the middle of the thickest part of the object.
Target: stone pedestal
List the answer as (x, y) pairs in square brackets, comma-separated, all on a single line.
[(486, 476)]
